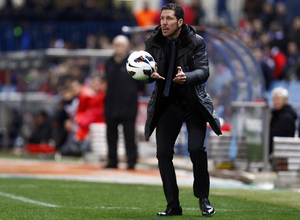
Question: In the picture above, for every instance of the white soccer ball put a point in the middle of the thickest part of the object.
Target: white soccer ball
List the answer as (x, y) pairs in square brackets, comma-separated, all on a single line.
[(140, 65)]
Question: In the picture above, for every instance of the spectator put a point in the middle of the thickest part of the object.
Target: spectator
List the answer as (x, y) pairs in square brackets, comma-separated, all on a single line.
[(223, 13), (94, 110), (137, 41), (108, 11), (78, 73), (120, 104), (294, 33), (59, 133), (264, 44), (41, 128), (25, 11), (199, 12), (146, 16), (267, 15), (257, 26), (283, 116), (70, 102), (278, 36), (90, 11), (91, 41), (189, 12), (6, 13), (77, 132), (13, 120), (282, 16), (93, 113), (291, 70), (253, 9), (266, 69), (104, 42), (46, 84), (63, 114), (84, 95), (71, 11), (279, 60), (124, 14), (33, 79), (47, 10)]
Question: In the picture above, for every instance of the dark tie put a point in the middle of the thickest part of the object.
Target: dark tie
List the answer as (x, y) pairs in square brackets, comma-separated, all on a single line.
[(171, 69)]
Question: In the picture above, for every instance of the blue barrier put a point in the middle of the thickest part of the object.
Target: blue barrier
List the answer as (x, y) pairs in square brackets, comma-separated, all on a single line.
[(38, 35)]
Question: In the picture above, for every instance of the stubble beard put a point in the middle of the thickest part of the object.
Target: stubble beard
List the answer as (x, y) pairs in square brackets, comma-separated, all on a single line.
[(173, 35)]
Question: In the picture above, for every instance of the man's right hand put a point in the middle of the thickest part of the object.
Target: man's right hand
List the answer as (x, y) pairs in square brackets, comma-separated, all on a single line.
[(155, 74)]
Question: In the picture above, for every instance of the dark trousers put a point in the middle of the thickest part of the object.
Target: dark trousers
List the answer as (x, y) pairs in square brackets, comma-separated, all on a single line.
[(167, 130), (112, 135)]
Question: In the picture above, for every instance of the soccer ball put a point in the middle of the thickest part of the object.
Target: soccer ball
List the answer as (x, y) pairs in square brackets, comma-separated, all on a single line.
[(140, 65)]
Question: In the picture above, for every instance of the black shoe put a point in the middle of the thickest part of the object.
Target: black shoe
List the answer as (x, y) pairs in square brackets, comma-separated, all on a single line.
[(131, 167), (111, 166), (170, 212), (206, 208)]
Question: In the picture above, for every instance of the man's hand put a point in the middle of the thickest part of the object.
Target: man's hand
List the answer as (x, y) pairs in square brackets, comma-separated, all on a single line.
[(180, 77), (155, 74)]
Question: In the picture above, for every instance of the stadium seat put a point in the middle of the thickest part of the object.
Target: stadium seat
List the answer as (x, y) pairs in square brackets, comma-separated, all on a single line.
[(40, 148)]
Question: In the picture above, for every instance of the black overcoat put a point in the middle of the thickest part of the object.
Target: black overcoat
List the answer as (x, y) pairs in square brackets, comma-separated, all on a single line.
[(121, 100), (282, 123), (192, 58)]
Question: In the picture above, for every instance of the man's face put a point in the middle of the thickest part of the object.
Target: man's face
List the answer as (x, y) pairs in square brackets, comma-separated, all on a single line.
[(170, 25), (120, 48), (278, 101)]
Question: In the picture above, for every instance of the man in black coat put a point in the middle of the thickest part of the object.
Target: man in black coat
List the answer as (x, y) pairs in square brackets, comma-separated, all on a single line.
[(283, 118), (180, 96), (120, 103)]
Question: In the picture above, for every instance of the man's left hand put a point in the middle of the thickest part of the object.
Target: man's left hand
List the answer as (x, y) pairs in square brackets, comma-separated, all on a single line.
[(180, 77)]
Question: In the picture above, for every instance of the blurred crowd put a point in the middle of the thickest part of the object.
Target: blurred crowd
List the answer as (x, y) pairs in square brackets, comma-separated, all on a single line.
[(65, 127), (68, 10), (273, 35), (269, 30), (90, 10), (266, 26)]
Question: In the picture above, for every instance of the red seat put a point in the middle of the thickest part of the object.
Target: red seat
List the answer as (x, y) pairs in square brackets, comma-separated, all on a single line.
[(40, 148)]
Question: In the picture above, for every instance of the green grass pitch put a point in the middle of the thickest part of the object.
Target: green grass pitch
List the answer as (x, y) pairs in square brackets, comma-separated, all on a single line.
[(55, 199)]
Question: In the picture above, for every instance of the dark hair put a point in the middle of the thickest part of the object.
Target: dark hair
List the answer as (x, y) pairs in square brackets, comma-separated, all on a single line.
[(175, 7)]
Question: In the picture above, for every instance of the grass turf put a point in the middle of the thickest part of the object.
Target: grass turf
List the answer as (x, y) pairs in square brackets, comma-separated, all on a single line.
[(31, 198)]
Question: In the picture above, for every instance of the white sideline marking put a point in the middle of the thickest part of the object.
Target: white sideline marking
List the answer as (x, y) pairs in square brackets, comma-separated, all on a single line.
[(23, 199), (133, 208)]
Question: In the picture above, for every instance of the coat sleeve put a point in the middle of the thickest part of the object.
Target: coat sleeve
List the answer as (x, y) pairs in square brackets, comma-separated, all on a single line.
[(199, 64)]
